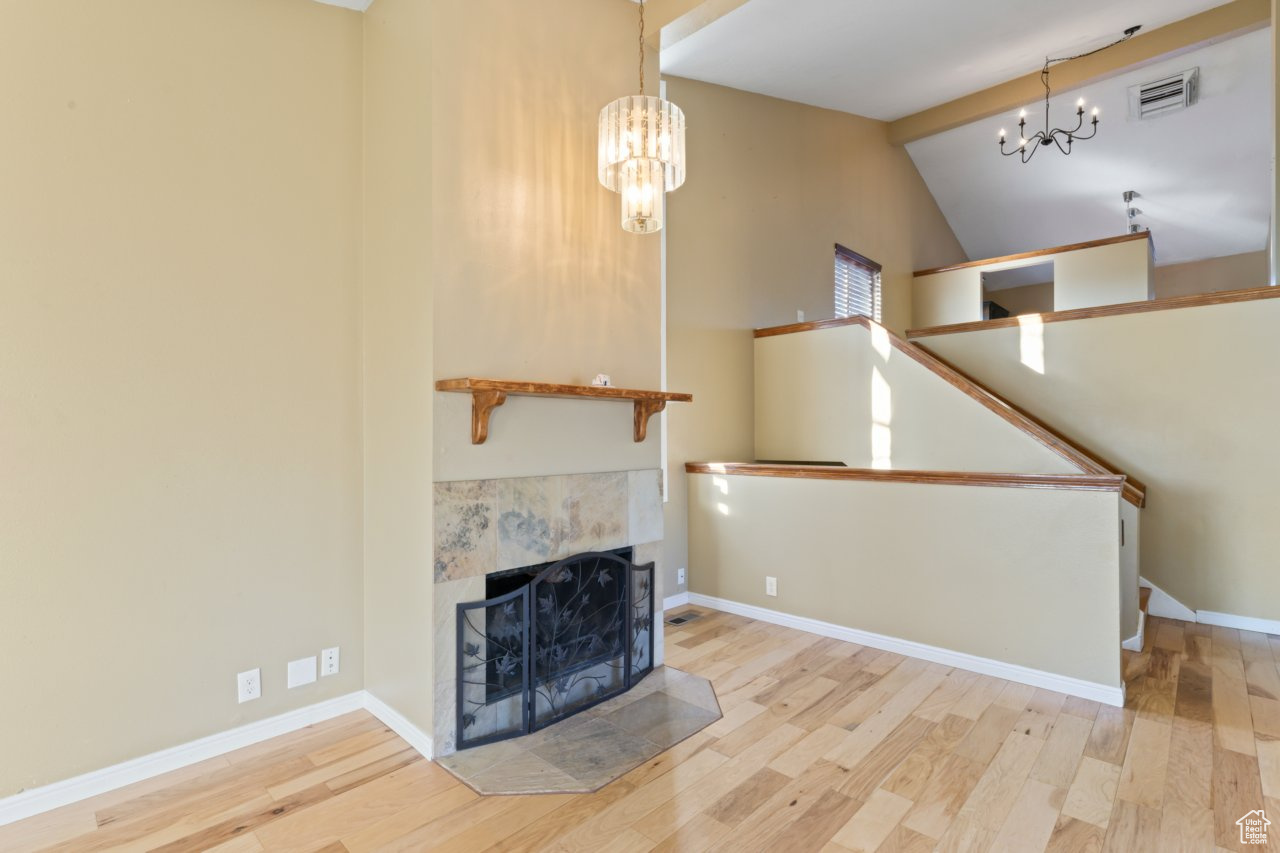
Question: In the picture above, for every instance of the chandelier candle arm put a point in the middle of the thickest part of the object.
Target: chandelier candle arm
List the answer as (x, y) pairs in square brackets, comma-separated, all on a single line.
[(1063, 139)]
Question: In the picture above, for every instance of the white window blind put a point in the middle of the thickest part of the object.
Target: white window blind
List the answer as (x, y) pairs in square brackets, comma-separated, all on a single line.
[(857, 285)]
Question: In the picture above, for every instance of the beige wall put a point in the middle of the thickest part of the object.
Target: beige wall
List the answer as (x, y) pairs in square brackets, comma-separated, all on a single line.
[(772, 186), (1232, 272), (1028, 577), (845, 394), (1083, 278), (534, 277), (954, 296), (1102, 275), (1185, 400), (180, 389), (397, 313), (1028, 299)]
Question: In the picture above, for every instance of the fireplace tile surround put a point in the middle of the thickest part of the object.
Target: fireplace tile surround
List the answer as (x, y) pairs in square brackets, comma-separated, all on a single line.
[(487, 526)]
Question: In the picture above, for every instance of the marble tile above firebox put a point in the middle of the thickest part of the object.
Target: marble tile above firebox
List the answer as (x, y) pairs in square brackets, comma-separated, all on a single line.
[(484, 526), (529, 527), (590, 750), (594, 511), (465, 535)]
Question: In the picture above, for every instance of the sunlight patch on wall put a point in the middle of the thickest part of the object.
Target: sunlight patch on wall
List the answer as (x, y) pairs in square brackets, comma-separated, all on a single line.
[(881, 421), (880, 340), (1031, 341)]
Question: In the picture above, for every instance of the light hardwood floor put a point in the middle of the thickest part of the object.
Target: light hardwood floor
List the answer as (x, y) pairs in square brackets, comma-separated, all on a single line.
[(824, 745)]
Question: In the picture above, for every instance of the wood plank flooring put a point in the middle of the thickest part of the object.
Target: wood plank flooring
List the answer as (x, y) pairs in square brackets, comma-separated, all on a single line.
[(824, 746)]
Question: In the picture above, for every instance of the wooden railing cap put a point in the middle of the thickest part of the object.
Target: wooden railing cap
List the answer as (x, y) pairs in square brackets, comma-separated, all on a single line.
[(1037, 253), (1077, 482)]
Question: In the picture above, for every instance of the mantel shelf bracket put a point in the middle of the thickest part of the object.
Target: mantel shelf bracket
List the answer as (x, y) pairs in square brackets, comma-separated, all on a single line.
[(482, 405), (643, 410)]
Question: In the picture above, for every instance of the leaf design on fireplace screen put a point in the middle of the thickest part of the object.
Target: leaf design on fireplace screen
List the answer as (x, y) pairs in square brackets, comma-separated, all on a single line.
[(579, 632)]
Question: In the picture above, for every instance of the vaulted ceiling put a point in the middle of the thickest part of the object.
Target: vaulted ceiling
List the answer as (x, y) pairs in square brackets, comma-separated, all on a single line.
[(885, 59), (1203, 173)]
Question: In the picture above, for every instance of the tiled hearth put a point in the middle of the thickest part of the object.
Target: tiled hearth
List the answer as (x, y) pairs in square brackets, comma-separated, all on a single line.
[(597, 746), (487, 526)]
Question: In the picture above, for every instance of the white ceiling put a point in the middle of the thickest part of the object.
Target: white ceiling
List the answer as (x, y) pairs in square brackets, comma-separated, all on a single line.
[(1203, 173), (889, 58)]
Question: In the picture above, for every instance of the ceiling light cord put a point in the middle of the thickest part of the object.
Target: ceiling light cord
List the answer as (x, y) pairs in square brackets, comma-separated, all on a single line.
[(1044, 72), (641, 48), (1061, 137)]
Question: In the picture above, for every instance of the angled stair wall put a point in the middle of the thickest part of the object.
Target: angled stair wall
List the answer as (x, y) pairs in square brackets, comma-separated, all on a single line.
[(961, 527), (1182, 392)]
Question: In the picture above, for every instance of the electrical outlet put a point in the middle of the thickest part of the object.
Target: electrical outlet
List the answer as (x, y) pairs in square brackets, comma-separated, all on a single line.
[(681, 577), (799, 316), (329, 662), (248, 685), (770, 586), (302, 671)]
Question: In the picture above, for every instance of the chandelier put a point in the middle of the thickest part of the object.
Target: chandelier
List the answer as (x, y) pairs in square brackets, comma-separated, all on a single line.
[(641, 152), (1028, 145)]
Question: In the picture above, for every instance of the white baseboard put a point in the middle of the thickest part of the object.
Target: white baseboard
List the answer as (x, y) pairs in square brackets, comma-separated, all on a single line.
[(394, 720), (671, 602), (1103, 693), (57, 794), (1164, 605), (1244, 623)]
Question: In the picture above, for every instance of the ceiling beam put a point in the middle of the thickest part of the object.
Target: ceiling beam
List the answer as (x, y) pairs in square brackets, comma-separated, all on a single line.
[(679, 19), (1217, 24), (356, 5)]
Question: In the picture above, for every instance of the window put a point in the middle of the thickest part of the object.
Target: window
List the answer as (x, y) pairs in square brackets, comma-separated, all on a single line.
[(857, 285)]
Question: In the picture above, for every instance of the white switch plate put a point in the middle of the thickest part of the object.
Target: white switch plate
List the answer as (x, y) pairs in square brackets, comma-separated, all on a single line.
[(681, 577), (248, 685), (799, 316), (302, 671), (329, 662), (770, 586)]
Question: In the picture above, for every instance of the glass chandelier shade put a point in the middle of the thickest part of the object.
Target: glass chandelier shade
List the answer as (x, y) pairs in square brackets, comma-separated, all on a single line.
[(642, 156)]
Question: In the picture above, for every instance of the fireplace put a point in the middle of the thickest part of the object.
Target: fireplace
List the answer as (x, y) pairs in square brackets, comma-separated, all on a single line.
[(551, 640), (492, 536)]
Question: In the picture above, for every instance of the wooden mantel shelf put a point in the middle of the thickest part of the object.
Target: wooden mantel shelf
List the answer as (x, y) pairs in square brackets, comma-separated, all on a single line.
[(488, 394)]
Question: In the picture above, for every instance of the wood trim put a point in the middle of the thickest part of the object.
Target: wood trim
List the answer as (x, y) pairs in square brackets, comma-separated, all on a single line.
[(548, 389), (851, 255), (812, 325), (1075, 482), (488, 394), (1222, 297), (1038, 253), (1087, 462)]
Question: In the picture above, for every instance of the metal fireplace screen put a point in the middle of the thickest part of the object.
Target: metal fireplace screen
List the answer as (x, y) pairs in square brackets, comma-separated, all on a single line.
[(580, 632)]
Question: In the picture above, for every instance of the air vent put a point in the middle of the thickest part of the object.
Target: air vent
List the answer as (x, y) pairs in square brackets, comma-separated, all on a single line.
[(1148, 100)]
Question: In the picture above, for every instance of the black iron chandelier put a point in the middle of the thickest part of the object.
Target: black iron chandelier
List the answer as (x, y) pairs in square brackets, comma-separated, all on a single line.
[(1028, 145)]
